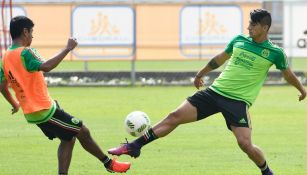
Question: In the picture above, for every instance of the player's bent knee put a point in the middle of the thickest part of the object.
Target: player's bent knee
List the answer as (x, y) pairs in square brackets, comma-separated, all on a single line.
[(84, 132), (245, 145)]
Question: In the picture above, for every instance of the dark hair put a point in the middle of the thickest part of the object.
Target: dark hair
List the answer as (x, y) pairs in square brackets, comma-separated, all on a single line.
[(18, 24), (261, 16)]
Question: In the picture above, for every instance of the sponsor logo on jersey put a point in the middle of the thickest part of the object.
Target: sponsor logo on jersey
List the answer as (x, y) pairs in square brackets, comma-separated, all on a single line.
[(265, 53)]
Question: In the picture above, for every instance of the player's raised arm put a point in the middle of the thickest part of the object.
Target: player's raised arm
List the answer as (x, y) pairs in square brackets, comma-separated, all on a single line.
[(54, 61), (290, 77), (214, 63), (7, 95)]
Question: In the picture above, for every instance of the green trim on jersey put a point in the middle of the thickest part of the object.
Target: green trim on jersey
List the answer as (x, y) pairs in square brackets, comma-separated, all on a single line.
[(31, 59), (41, 116), (247, 68), (13, 47)]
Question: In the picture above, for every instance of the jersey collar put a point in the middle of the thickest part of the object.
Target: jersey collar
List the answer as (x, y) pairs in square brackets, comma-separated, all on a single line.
[(14, 46)]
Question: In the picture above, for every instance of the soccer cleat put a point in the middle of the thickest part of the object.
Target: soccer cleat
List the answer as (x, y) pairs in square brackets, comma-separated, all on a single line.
[(118, 167), (268, 172), (130, 149)]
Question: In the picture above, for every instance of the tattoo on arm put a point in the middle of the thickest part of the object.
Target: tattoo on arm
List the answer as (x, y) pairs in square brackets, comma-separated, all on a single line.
[(213, 64)]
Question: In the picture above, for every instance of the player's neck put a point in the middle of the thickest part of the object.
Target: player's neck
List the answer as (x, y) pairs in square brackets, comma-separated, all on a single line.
[(261, 38), (20, 42)]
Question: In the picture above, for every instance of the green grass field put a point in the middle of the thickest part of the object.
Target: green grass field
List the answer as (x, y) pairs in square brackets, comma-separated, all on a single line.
[(297, 64), (201, 148)]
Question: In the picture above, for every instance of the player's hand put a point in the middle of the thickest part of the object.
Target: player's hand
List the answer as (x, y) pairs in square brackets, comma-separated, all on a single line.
[(302, 96), (15, 108), (71, 43), (198, 82)]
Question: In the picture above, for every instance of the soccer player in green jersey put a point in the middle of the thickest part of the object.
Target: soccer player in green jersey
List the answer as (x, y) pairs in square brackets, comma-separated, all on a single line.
[(232, 93)]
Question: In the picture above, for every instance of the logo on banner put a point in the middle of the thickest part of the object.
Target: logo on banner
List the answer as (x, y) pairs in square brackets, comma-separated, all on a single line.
[(211, 26), (207, 25), (102, 25), (302, 42)]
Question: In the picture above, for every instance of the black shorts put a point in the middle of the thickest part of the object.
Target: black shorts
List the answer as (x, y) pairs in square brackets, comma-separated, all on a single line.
[(61, 125), (209, 102)]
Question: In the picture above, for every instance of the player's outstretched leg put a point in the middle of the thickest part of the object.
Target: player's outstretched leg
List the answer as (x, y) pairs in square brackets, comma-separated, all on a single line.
[(185, 113), (91, 146), (133, 149)]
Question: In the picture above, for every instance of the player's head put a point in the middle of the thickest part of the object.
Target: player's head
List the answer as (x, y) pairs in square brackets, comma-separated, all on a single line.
[(260, 22), (21, 27)]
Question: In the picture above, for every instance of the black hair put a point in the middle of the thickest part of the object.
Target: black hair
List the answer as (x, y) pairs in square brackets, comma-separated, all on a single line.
[(18, 24), (261, 16)]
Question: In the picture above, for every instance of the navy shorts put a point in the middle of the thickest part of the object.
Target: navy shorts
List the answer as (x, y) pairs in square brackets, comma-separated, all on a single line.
[(61, 125), (208, 102)]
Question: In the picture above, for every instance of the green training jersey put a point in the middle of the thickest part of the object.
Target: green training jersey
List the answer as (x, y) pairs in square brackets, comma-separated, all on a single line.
[(247, 68), (31, 60)]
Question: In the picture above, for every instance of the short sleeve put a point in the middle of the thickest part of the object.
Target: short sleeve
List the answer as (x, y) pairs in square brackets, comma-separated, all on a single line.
[(2, 77), (281, 62), (31, 59), (229, 47)]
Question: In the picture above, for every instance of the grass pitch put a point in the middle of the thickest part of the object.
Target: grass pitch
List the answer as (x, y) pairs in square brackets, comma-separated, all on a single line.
[(201, 148)]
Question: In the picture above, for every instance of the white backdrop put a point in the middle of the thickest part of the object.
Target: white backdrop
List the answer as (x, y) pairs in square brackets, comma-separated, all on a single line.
[(295, 24)]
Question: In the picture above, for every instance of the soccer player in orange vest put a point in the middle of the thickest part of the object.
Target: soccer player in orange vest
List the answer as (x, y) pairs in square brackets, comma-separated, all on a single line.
[(22, 68)]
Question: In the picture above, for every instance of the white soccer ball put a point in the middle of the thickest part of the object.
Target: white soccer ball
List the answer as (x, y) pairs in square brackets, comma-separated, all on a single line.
[(137, 123)]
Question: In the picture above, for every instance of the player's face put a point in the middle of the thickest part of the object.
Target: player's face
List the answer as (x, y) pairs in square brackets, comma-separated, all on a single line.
[(255, 29), (28, 36)]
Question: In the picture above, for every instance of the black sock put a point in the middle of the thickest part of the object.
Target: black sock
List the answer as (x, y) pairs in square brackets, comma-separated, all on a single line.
[(106, 161), (148, 137), (264, 168), (62, 173)]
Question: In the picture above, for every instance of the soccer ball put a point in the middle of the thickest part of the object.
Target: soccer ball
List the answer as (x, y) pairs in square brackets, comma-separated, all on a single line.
[(137, 123)]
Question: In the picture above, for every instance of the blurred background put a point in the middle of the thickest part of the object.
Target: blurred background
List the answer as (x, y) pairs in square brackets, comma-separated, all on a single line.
[(143, 46), (150, 42)]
